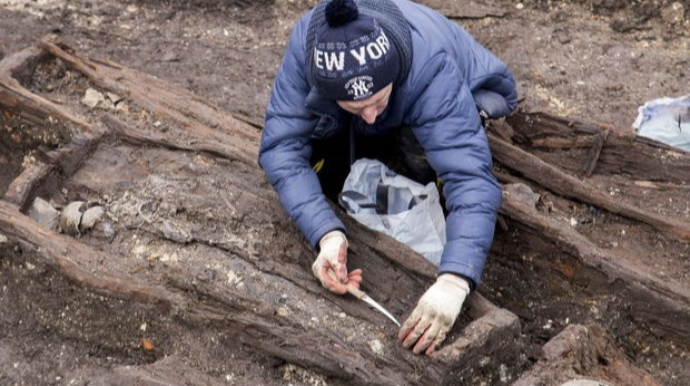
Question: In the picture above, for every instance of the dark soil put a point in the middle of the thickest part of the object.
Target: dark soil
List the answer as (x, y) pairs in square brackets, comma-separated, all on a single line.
[(596, 60)]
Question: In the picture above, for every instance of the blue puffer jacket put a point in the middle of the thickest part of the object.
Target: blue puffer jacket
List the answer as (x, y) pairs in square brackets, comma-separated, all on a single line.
[(449, 76)]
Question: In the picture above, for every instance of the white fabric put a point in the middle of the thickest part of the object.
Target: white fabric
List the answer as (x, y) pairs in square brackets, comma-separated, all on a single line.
[(436, 310), (666, 120), (422, 227), (330, 245)]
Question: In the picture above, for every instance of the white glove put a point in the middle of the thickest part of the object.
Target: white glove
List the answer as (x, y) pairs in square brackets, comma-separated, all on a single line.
[(435, 314), (330, 266)]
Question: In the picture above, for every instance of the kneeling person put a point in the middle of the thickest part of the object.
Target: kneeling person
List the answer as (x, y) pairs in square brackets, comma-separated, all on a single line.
[(374, 66)]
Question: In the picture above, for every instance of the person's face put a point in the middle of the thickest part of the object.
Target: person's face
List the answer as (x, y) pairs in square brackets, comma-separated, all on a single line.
[(369, 108)]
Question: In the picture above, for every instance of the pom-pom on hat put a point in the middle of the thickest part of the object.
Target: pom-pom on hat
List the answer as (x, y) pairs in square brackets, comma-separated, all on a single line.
[(353, 57)]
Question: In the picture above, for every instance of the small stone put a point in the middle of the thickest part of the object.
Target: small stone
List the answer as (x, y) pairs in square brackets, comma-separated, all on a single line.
[(519, 6), (113, 97), (71, 217), (503, 373), (106, 105), (573, 222), (143, 327), (91, 217), (170, 56), (92, 98), (376, 346), (283, 311), (169, 257), (523, 192), (3, 239), (548, 325), (122, 106), (139, 251), (44, 213), (342, 315), (232, 277), (104, 229)]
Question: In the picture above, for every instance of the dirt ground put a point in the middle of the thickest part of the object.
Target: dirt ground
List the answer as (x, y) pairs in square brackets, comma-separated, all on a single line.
[(596, 60)]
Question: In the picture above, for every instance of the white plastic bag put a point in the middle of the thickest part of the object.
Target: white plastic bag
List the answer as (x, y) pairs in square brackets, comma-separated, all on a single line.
[(397, 206), (666, 120)]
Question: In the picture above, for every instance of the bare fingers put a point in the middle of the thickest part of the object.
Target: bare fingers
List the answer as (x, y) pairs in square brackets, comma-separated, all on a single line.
[(340, 268), (355, 278), (416, 332), (428, 338), (432, 348), (329, 280)]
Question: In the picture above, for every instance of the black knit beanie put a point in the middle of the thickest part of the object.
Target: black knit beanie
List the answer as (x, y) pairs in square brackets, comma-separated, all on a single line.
[(353, 57)]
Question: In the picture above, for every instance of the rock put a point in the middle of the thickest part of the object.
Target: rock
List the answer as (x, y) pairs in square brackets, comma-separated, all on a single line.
[(106, 105), (104, 230), (3, 239), (523, 193), (91, 217), (122, 106), (44, 213), (113, 97), (376, 346), (92, 98), (71, 217), (170, 56)]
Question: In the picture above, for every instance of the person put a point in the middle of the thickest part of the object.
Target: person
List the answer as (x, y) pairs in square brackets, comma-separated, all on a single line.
[(370, 68)]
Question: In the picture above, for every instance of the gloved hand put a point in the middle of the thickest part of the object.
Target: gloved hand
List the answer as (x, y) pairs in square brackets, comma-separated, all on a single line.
[(330, 266), (435, 314)]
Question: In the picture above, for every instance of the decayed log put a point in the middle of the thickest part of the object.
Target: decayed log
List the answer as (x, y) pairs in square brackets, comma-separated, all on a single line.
[(623, 153), (566, 185), (43, 178), (662, 303), (254, 323), (584, 352), (23, 189), (193, 113), (22, 101)]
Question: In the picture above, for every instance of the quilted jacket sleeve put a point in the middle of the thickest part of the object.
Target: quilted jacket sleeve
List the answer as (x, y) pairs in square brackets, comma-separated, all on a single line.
[(446, 123), (285, 150)]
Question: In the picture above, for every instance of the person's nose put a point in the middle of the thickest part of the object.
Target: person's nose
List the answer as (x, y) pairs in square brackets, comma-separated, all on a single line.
[(369, 114)]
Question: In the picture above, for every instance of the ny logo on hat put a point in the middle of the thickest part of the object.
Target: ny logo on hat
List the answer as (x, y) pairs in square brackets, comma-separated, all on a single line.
[(359, 87)]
